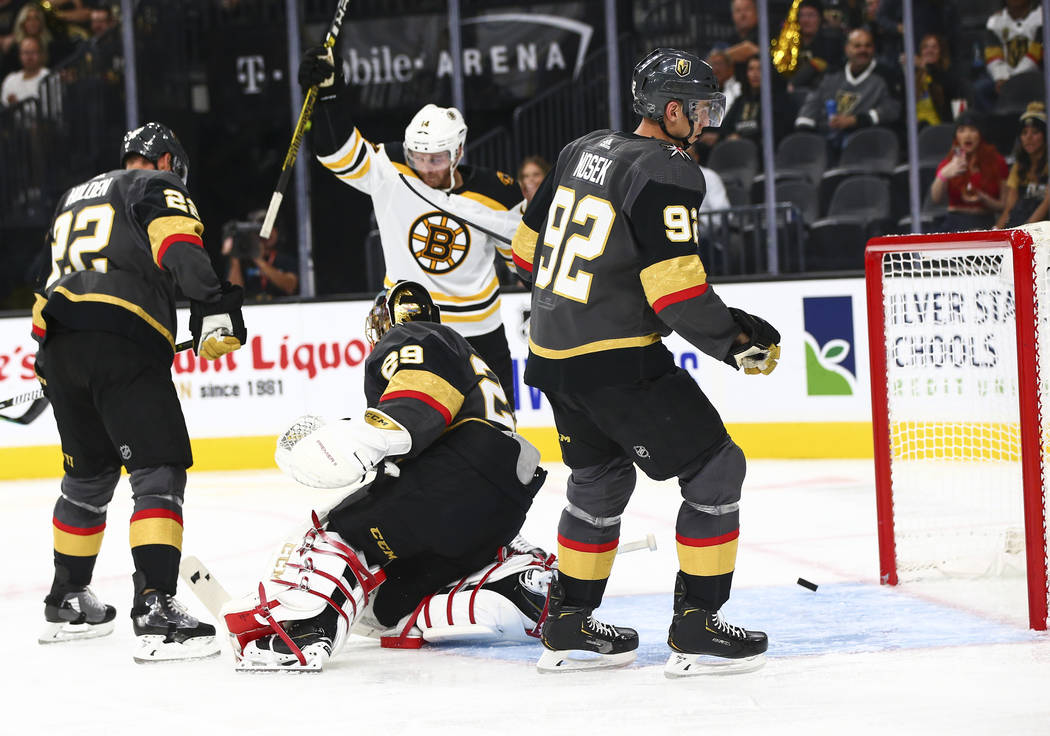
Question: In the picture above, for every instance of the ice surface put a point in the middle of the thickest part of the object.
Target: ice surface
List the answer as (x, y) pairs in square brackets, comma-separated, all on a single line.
[(852, 657)]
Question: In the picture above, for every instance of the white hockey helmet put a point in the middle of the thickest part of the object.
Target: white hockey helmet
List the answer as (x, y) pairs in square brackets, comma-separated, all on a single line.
[(436, 130)]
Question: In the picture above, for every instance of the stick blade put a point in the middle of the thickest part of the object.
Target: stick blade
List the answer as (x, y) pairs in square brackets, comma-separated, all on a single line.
[(208, 590)]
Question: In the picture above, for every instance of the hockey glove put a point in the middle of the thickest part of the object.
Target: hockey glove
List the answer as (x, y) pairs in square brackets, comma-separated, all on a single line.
[(337, 454), (318, 69), (761, 352), (218, 327)]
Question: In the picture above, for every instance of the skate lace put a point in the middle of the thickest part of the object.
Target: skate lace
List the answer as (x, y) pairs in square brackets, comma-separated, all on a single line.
[(520, 545), (600, 627), (727, 628)]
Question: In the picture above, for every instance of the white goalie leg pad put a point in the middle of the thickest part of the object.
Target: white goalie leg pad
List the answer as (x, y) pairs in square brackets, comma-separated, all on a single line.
[(505, 601), (323, 572), (323, 454)]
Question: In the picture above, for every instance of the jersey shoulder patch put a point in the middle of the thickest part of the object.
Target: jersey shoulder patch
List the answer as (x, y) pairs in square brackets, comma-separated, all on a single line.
[(496, 189)]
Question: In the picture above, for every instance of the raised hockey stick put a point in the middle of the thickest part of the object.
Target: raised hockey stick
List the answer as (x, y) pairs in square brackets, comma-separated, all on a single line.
[(415, 191), (40, 401), (305, 114)]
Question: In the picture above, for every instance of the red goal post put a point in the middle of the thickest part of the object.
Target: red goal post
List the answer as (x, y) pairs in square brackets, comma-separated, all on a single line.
[(959, 332)]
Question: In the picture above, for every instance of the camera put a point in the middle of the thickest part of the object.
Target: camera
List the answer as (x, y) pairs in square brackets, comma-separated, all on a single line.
[(245, 237)]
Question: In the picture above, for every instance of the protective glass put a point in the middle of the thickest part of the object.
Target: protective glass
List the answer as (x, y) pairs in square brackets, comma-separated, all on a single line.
[(440, 161), (708, 113)]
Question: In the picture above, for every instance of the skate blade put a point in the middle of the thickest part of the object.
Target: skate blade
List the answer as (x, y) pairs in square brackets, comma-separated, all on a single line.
[(572, 660), (153, 648), (55, 633), (313, 665), (692, 665)]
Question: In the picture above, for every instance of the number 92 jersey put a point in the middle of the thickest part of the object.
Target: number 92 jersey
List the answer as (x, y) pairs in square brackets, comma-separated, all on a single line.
[(426, 377), (609, 243)]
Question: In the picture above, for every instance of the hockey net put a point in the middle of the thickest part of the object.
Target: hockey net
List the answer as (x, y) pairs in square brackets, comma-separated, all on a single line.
[(959, 328)]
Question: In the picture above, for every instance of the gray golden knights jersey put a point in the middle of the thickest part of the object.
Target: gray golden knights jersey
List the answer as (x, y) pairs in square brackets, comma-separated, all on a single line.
[(427, 378), (433, 245), (119, 245), (609, 243)]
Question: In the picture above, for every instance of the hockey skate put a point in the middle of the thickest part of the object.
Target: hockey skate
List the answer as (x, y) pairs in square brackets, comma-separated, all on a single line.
[(166, 631), (299, 620), (574, 640), (298, 646), (76, 614), (704, 644)]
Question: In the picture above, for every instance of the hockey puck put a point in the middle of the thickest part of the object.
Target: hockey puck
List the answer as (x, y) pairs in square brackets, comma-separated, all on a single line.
[(806, 584)]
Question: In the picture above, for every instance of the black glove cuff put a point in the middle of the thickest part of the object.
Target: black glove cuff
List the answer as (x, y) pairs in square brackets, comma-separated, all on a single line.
[(229, 302)]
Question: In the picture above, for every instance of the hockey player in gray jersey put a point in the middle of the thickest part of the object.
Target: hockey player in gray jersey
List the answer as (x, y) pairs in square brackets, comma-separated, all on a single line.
[(610, 246), (104, 315), (445, 483)]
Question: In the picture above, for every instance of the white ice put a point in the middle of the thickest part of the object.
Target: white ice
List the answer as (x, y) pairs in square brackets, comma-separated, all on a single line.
[(853, 657)]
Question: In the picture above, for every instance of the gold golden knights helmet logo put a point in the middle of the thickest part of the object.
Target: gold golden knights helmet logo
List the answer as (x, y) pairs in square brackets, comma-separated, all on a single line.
[(682, 67)]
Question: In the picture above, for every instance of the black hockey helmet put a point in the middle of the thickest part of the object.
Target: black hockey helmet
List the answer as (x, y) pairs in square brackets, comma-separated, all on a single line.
[(669, 74), (153, 140), (405, 301)]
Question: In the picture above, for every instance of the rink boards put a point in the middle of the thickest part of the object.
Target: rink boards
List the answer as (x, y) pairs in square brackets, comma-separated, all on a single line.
[(308, 357)]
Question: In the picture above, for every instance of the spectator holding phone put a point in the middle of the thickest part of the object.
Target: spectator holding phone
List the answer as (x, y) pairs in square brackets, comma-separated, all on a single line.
[(973, 177)]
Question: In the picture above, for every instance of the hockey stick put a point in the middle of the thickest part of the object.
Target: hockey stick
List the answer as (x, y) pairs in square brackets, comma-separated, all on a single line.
[(491, 234), (40, 402), (649, 542), (305, 114)]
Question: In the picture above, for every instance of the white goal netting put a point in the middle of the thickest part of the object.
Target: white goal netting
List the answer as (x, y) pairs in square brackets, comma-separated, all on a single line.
[(953, 408)]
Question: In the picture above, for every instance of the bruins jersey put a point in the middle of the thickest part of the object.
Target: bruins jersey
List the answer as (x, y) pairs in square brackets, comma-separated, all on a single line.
[(433, 245), (119, 245), (426, 377), (1014, 46), (609, 243)]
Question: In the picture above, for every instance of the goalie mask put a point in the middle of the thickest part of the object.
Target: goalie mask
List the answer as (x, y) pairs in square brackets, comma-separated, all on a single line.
[(153, 140), (667, 75), (434, 144), (404, 302)]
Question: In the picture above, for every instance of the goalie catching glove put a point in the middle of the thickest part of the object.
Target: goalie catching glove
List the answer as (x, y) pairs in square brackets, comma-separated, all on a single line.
[(337, 454), (218, 327), (762, 350)]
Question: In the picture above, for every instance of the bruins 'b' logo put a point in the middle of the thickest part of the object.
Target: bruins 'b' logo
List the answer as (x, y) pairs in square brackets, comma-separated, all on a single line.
[(682, 67), (438, 243)]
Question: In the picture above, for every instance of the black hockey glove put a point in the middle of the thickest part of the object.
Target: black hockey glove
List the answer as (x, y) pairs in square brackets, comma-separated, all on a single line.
[(218, 327), (318, 69), (759, 354)]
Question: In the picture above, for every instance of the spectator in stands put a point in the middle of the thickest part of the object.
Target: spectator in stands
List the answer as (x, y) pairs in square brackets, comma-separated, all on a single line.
[(820, 47), (1014, 45), (531, 174), (938, 17), (257, 264), (723, 68), (101, 21), (936, 82), (843, 14), (8, 13), (25, 83), (745, 42), (28, 23), (1027, 196), (973, 177), (857, 97), (730, 86), (744, 118)]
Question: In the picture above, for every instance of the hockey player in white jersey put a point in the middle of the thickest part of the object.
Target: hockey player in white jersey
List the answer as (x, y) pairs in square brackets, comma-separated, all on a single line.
[(432, 212)]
